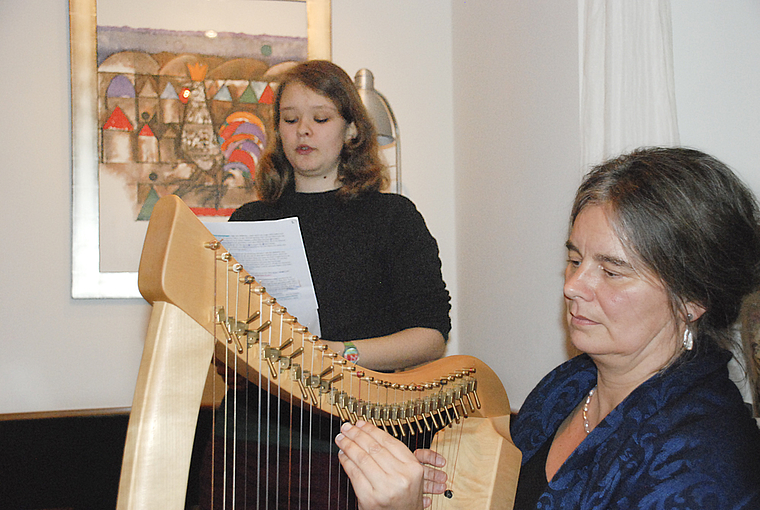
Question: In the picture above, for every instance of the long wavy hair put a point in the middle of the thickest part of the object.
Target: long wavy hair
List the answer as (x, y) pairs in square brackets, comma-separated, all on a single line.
[(360, 168)]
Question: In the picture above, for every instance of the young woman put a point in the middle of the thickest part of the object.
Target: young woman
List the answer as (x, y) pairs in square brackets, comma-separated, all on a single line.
[(376, 273)]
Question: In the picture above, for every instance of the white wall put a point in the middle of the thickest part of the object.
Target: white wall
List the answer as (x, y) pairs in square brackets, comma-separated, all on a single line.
[(717, 67), (517, 152)]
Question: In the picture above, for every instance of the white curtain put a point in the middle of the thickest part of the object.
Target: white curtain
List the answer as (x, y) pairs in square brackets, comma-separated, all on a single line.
[(627, 86)]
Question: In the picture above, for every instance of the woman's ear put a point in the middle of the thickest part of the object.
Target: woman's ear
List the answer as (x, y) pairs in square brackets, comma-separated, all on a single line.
[(694, 310), (351, 132)]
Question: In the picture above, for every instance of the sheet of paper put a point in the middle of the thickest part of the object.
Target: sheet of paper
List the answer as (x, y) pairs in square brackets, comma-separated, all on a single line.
[(272, 251)]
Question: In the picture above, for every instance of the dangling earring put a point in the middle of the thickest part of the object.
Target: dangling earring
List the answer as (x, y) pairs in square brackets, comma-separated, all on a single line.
[(688, 339)]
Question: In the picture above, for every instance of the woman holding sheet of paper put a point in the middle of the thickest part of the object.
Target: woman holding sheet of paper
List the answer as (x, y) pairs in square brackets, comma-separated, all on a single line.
[(375, 267)]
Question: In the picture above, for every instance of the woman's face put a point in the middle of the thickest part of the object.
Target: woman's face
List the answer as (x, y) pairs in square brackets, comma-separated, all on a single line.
[(313, 133), (616, 312)]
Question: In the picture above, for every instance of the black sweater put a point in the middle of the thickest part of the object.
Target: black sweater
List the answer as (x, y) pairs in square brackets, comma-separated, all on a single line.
[(374, 264)]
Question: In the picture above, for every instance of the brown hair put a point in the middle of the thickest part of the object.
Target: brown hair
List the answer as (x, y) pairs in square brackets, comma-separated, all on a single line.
[(360, 169)]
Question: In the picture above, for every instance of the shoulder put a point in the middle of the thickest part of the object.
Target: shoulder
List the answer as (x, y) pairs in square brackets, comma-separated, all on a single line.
[(385, 201), (710, 421), (259, 210), (395, 210), (695, 438), (388, 213), (703, 462)]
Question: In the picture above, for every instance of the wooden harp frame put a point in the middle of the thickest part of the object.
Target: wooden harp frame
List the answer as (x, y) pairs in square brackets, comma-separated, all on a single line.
[(205, 304)]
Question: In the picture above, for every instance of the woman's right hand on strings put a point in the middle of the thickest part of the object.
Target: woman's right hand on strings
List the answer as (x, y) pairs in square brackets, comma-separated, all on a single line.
[(384, 473)]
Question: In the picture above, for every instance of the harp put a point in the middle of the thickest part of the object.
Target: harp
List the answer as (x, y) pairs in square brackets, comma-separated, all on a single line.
[(205, 304)]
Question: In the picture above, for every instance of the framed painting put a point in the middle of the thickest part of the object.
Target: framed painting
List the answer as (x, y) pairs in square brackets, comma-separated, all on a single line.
[(171, 97)]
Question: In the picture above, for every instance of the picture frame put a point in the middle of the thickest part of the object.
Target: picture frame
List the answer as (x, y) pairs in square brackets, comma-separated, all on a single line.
[(89, 279)]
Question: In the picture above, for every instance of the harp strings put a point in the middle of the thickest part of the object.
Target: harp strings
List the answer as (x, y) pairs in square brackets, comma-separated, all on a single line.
[(257, 336)]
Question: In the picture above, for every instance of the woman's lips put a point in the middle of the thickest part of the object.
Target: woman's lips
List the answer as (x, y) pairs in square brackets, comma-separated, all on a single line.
[(580, 320), (304, 149)]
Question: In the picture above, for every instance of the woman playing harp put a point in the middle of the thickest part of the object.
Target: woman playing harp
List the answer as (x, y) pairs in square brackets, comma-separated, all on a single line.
[(664, 245), (376, 273)]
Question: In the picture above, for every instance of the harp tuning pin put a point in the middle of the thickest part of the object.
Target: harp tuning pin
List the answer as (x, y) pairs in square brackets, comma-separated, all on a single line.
[(464, 409), (253, 317), (457, 416), (410, 425), (477, 400), (271, 355), (426, 422), (419, 425), (264, 325), (296, 353), (435, 422)]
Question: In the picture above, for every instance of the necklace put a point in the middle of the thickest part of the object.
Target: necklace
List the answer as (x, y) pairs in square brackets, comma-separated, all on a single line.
[(586, 426)]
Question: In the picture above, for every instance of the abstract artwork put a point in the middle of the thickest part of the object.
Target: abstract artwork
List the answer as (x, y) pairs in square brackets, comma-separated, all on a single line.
[(191, 121), (171, 97)]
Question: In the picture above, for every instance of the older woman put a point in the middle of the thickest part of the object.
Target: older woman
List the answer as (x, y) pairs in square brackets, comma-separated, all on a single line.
[(663, 247)]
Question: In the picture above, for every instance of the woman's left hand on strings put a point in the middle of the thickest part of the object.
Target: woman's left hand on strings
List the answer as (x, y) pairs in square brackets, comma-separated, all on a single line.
[(384, 473)]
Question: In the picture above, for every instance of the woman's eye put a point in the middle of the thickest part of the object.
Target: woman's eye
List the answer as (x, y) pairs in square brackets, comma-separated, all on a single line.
[(289, 121), (321, 120), (573, 262)]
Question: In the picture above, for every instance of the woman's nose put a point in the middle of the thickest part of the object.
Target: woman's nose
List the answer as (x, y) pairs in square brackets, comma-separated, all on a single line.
[(304, 128), (577, 284)]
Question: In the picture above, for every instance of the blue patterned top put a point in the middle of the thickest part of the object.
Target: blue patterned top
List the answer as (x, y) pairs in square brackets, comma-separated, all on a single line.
[(682, 440)]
